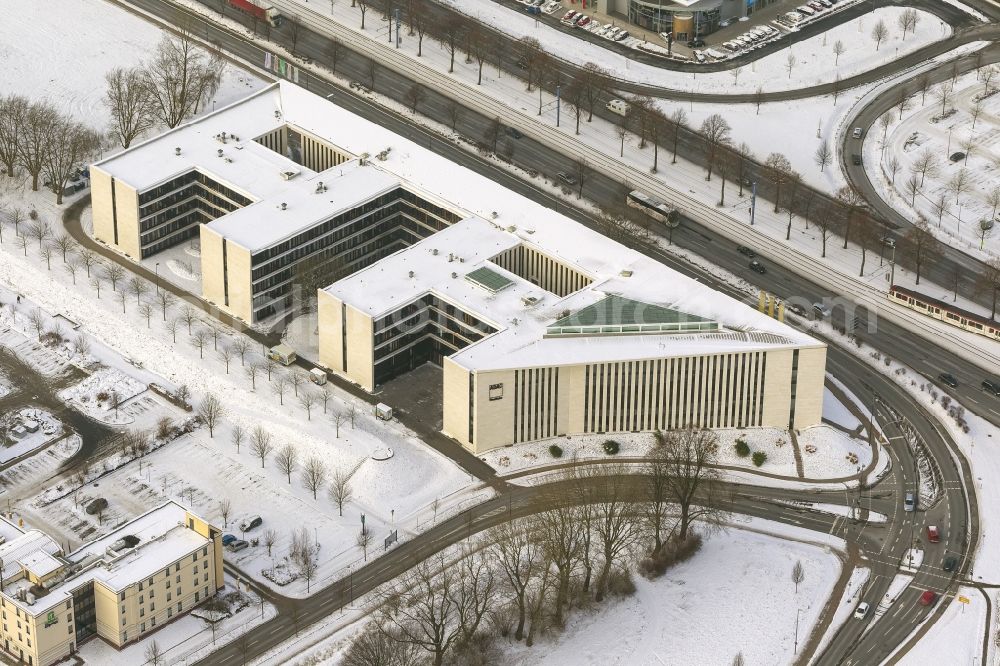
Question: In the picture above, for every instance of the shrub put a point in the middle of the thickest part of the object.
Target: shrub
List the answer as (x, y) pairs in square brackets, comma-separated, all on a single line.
[(672, 552), (556, 451), (611, 447), (102, 396), (620, 583), (759, 457), (742, 448)]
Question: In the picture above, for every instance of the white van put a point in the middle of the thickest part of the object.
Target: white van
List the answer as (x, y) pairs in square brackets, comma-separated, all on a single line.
[(619, 106)]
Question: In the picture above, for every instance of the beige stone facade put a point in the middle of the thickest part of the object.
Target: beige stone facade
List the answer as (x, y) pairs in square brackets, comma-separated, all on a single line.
[(120, 588)]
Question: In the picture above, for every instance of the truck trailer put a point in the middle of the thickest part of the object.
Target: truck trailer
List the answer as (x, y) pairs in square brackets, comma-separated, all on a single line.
[(260, 9)]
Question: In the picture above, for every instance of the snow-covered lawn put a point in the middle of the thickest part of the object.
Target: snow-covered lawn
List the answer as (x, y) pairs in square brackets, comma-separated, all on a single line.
[(835, 412), (734, 595), (827, 452), (954, 219), (63, 48), (104, 395)]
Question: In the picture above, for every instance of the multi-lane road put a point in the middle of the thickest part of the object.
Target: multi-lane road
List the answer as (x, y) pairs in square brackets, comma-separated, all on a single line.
[(881, 546)]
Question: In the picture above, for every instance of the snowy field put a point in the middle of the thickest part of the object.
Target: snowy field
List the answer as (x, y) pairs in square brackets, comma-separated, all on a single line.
[(954, 216), (67, 66), (19, 438), (733, 596), (957, 637)]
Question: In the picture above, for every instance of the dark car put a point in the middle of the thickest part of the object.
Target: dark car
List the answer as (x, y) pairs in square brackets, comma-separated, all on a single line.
[(696, 43), (948, 378), (227, 539), (97, 506), (856, 159), (743, 249), (992, 386), (566, 178), (957, 156), (949, 563), (757, 267), (514, 133)]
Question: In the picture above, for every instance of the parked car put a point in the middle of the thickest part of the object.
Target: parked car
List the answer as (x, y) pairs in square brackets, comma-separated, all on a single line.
[(743, 249), (822, 310), (928, 597), (888, 242), (622, 36), (909, 502), (228, 539), (696, 43), (949, 563), (992, 386), (582, 21), (757, 267), (568, 17), (795, 308), (566, 178), (949, 379), (96, 506), (862, 610), (933, 535), (957, 156), (238, 545), (250, 523), (619, 106)]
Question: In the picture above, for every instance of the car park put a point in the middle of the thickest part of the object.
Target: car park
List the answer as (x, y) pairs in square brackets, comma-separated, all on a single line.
[(757, 267), (927, 598), (861, 612), (909, 502), (949, 379), (933, 535), (744, 250)]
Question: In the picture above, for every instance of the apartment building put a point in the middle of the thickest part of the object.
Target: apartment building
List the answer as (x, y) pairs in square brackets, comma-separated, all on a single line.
[(120, 587)]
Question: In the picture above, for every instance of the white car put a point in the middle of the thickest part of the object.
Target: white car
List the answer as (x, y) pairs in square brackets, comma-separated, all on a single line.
[(861, 612)]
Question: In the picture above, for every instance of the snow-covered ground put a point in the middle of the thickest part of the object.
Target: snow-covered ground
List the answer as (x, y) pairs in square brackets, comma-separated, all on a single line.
[(734, 595), (827, 452), (67, 66), (27, 430), (836, 412), (103, 395), (921, 132)]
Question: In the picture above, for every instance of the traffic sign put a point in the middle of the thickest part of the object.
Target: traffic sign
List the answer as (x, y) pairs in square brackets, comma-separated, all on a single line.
[(963, 600)]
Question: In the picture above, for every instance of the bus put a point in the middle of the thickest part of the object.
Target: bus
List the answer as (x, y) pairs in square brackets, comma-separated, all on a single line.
[(946, 312), (653, 207)]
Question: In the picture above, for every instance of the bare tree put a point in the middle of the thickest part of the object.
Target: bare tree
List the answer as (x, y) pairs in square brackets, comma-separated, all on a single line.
[(225, 509), (959, 184), (894, 165), (153, 654), (715, 131), (41, 231), (128, 102), (677, 120), (798, 575), (519, 558), (988, 280), (39, 122), (853, 200), (211, 411), (308, 401), (364, 541), (414, 95), (286, 457), (237, 435), (314, 475), (189, 317), (13, 116), (616, 527), (823, 156), (943, 93), (790, 64), (451, 33), (37, 321), (920, 246), (270, 537), (46, 254), (926, 164), (867, 237), (908, 21), (838, 50), (340, 489), (692, 480), (779, 170), (114, 274), (241, 346), (251, 372), (975, 112), (278, 387), (139, 287), (260, 443), (172, 326), (199, 341), (879, 33), (180, 77), (146, 312)]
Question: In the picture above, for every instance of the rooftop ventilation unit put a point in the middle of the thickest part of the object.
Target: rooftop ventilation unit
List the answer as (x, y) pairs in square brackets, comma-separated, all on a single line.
[(288, 174), (384, 155), (434, 251), (363, 159), (320, 187), (454, 275), (494, 215), (177, 151), (530, 299), (219, 152), (284, 206), (626, 273), (412, 273)]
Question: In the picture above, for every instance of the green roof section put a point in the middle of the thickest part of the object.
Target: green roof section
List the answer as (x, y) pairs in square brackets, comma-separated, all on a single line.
[(489, 279), (614, 315)]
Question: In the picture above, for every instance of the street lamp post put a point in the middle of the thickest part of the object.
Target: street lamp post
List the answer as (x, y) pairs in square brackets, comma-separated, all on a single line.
[(753, 202), (157, 273)]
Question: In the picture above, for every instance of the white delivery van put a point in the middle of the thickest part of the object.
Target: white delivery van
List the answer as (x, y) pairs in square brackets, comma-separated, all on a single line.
[(619, 106)]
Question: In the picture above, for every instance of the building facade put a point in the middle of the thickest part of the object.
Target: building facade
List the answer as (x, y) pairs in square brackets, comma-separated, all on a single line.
[(120, 588)]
